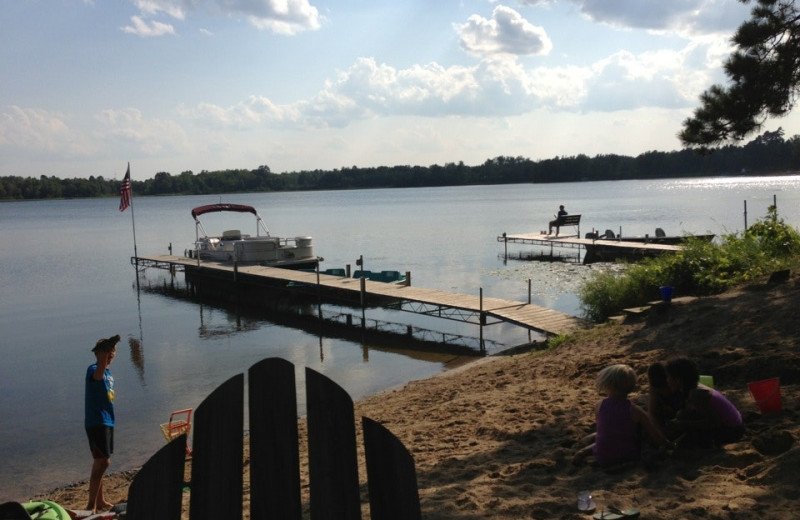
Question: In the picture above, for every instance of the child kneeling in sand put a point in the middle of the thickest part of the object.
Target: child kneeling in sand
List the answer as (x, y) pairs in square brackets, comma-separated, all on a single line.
[(663, 401), (709, 418), (619, 421)]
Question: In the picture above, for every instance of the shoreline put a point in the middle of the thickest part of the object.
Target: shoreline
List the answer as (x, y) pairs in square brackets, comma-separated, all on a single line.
[(495, 438)]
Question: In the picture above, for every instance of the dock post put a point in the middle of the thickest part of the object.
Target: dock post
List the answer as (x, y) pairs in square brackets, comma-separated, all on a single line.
[(347, 270), (745, 215), (235, 269), (505, 244), (529, 291), (363, 301), (319, 295), (408, 278), (482, 320)]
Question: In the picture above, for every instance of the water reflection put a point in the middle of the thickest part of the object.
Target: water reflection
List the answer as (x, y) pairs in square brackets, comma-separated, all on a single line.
[(137, 357)]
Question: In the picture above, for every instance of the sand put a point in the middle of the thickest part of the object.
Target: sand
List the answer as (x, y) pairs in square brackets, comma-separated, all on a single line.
[(495, 439)]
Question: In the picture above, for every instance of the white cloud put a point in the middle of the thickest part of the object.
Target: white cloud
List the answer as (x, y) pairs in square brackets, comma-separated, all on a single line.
[(492, 88), (559, 88), (128, 129), (684, 16), (280, 16), (53, 135), (41, 131), (507, 33), (144, 29), (154, 7)]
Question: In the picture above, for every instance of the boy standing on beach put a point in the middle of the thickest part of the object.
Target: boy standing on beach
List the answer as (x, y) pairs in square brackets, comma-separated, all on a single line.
[(99, 418)]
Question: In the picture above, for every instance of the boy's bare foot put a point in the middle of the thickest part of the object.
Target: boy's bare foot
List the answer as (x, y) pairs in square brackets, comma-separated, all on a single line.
[(105, 506)]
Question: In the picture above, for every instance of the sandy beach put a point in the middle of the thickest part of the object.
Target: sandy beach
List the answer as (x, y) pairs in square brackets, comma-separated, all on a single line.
[(494, 439)]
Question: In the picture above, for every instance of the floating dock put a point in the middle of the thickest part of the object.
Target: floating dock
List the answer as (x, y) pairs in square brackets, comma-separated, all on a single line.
[(462, 307), (596, 250)]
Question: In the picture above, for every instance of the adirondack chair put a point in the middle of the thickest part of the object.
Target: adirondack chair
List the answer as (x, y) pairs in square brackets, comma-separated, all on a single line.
[(217, 467)]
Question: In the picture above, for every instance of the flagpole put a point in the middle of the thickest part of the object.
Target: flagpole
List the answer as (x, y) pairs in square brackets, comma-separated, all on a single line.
[(125, 201), (133, 225)]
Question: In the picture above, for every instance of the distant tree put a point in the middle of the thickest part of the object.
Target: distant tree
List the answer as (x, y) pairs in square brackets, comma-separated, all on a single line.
[(764, 70)]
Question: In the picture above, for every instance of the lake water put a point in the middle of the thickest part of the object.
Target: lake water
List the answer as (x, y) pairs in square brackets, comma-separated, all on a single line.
[(66, 280)]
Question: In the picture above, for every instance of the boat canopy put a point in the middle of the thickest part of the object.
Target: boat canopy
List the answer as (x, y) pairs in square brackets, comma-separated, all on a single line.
[(211, 208)]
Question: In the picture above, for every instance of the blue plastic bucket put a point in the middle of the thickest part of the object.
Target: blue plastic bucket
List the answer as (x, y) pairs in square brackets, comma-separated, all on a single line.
[(666, 293)]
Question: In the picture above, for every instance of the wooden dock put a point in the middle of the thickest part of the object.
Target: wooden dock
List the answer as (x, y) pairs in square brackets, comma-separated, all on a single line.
[(463, 307), (596, 249)]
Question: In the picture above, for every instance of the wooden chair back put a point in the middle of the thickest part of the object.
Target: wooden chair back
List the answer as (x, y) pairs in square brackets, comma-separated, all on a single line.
[(217, 462)]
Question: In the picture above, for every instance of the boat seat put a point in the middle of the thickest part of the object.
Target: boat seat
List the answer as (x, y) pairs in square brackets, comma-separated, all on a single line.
[(391, 276), (660, 232), (232, 234)]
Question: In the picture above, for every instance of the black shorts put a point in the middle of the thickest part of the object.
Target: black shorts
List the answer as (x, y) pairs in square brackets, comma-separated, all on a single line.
[(101, 441)]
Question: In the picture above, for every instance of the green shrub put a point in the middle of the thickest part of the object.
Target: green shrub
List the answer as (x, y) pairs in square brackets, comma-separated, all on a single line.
[(700, 268)]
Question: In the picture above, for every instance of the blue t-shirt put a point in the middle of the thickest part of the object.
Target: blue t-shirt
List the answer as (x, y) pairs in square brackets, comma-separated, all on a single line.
[(99, 399)]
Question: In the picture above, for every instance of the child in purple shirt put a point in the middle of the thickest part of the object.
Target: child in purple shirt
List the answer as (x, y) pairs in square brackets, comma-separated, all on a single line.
[(619, 421), (709, 419)]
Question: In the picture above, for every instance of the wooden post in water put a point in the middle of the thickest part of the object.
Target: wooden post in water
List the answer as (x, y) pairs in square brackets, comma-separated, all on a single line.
[(481, 319), (745, 215), (363, 300), (319, 295), (529, 291)]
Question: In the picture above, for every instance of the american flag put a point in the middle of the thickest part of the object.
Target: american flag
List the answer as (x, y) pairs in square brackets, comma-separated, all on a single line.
[(125, 191)]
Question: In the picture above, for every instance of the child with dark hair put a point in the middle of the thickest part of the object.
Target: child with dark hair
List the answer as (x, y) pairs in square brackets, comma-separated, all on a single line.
[(99, 418), (663, 403), (619, 421), (709, 418)]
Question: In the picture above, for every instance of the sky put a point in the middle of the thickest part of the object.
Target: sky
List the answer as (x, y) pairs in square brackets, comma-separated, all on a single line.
[(88, 86)]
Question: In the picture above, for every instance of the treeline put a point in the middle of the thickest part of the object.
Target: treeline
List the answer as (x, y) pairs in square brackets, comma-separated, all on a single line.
[(768, 153)]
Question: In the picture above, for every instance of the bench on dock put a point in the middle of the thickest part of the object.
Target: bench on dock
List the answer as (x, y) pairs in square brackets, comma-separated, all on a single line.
[(569, 220), (217, 473)]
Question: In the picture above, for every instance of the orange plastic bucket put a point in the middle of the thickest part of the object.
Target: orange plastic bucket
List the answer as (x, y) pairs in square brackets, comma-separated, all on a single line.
[(767, 394)]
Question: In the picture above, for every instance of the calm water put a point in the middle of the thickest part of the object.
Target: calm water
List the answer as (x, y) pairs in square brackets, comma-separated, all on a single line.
[(66, 280)]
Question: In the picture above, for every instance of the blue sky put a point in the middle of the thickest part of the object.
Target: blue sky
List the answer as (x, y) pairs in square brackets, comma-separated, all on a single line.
[(177, 85)]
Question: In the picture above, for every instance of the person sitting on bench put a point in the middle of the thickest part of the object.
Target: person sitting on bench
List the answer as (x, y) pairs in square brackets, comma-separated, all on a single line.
[(561, 213)]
